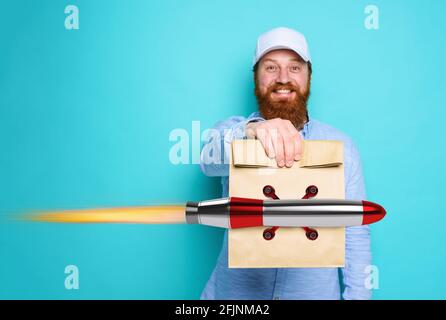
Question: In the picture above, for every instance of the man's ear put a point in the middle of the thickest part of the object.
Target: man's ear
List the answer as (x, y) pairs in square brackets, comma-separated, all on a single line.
[(310, 72), (310, 67)]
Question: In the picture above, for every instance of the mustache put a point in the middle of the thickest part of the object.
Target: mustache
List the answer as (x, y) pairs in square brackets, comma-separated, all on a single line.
[(279, 86)]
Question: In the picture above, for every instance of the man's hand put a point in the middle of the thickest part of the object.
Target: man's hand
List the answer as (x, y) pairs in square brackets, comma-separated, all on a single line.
[(280, 139)]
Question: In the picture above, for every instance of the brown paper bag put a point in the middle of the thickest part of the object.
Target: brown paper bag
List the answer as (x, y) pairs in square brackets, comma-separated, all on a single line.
[(250, 170)]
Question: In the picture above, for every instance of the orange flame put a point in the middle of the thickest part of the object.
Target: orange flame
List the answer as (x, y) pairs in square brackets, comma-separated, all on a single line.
[(148, 214)]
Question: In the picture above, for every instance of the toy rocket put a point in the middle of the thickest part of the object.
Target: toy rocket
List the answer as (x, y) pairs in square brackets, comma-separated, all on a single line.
[(237, 212), (232, 212)]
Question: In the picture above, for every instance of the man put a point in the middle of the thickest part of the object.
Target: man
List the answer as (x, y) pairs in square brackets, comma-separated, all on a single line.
[(282, 75)]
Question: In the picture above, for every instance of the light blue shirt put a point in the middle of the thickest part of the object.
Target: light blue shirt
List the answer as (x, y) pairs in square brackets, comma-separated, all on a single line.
[(290, 283)]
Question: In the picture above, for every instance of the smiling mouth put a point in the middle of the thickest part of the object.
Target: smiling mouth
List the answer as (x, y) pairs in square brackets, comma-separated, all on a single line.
[(282, 92)]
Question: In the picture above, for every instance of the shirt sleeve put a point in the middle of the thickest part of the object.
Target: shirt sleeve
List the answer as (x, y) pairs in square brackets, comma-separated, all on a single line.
[(214, 159), (357, 239)]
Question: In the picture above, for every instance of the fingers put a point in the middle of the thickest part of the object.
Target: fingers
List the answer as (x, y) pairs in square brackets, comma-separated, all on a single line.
[(264, 136), (271, 138), (288, 145), (278, 143), (297, 148), (296, 140), (281, 140)]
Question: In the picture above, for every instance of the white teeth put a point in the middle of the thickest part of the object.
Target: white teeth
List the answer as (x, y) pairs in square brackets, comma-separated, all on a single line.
[(283, 91)]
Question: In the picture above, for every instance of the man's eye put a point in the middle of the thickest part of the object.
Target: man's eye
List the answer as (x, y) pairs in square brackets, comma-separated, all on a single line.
[(271, 68), (296, 68)]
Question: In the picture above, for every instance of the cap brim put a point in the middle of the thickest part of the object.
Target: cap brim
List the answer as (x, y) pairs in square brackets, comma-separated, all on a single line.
[(304, 57)]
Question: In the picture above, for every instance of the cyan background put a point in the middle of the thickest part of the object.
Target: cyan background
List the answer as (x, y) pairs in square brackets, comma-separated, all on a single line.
[(85, 117)]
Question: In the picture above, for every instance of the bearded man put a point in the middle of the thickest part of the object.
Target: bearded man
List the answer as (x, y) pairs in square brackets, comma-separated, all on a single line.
[(282, 75)]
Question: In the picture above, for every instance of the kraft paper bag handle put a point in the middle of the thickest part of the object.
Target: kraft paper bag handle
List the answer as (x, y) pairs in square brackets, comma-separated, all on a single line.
[(316, 154)]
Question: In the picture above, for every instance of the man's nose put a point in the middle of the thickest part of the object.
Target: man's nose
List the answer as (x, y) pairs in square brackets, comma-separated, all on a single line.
[(283, 76)]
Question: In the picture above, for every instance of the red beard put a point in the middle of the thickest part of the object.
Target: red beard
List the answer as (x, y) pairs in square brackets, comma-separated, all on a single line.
[(294, 109)]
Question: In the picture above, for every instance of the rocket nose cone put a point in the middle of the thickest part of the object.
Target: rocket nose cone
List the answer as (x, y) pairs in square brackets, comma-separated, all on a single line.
[(372, 212)]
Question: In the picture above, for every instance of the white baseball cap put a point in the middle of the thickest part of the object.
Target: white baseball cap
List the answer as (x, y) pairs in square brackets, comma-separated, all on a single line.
[(282, 38)]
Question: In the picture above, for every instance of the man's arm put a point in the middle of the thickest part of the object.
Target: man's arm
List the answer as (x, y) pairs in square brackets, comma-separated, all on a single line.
[(279, 137), (214, 159), (357, 251)]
